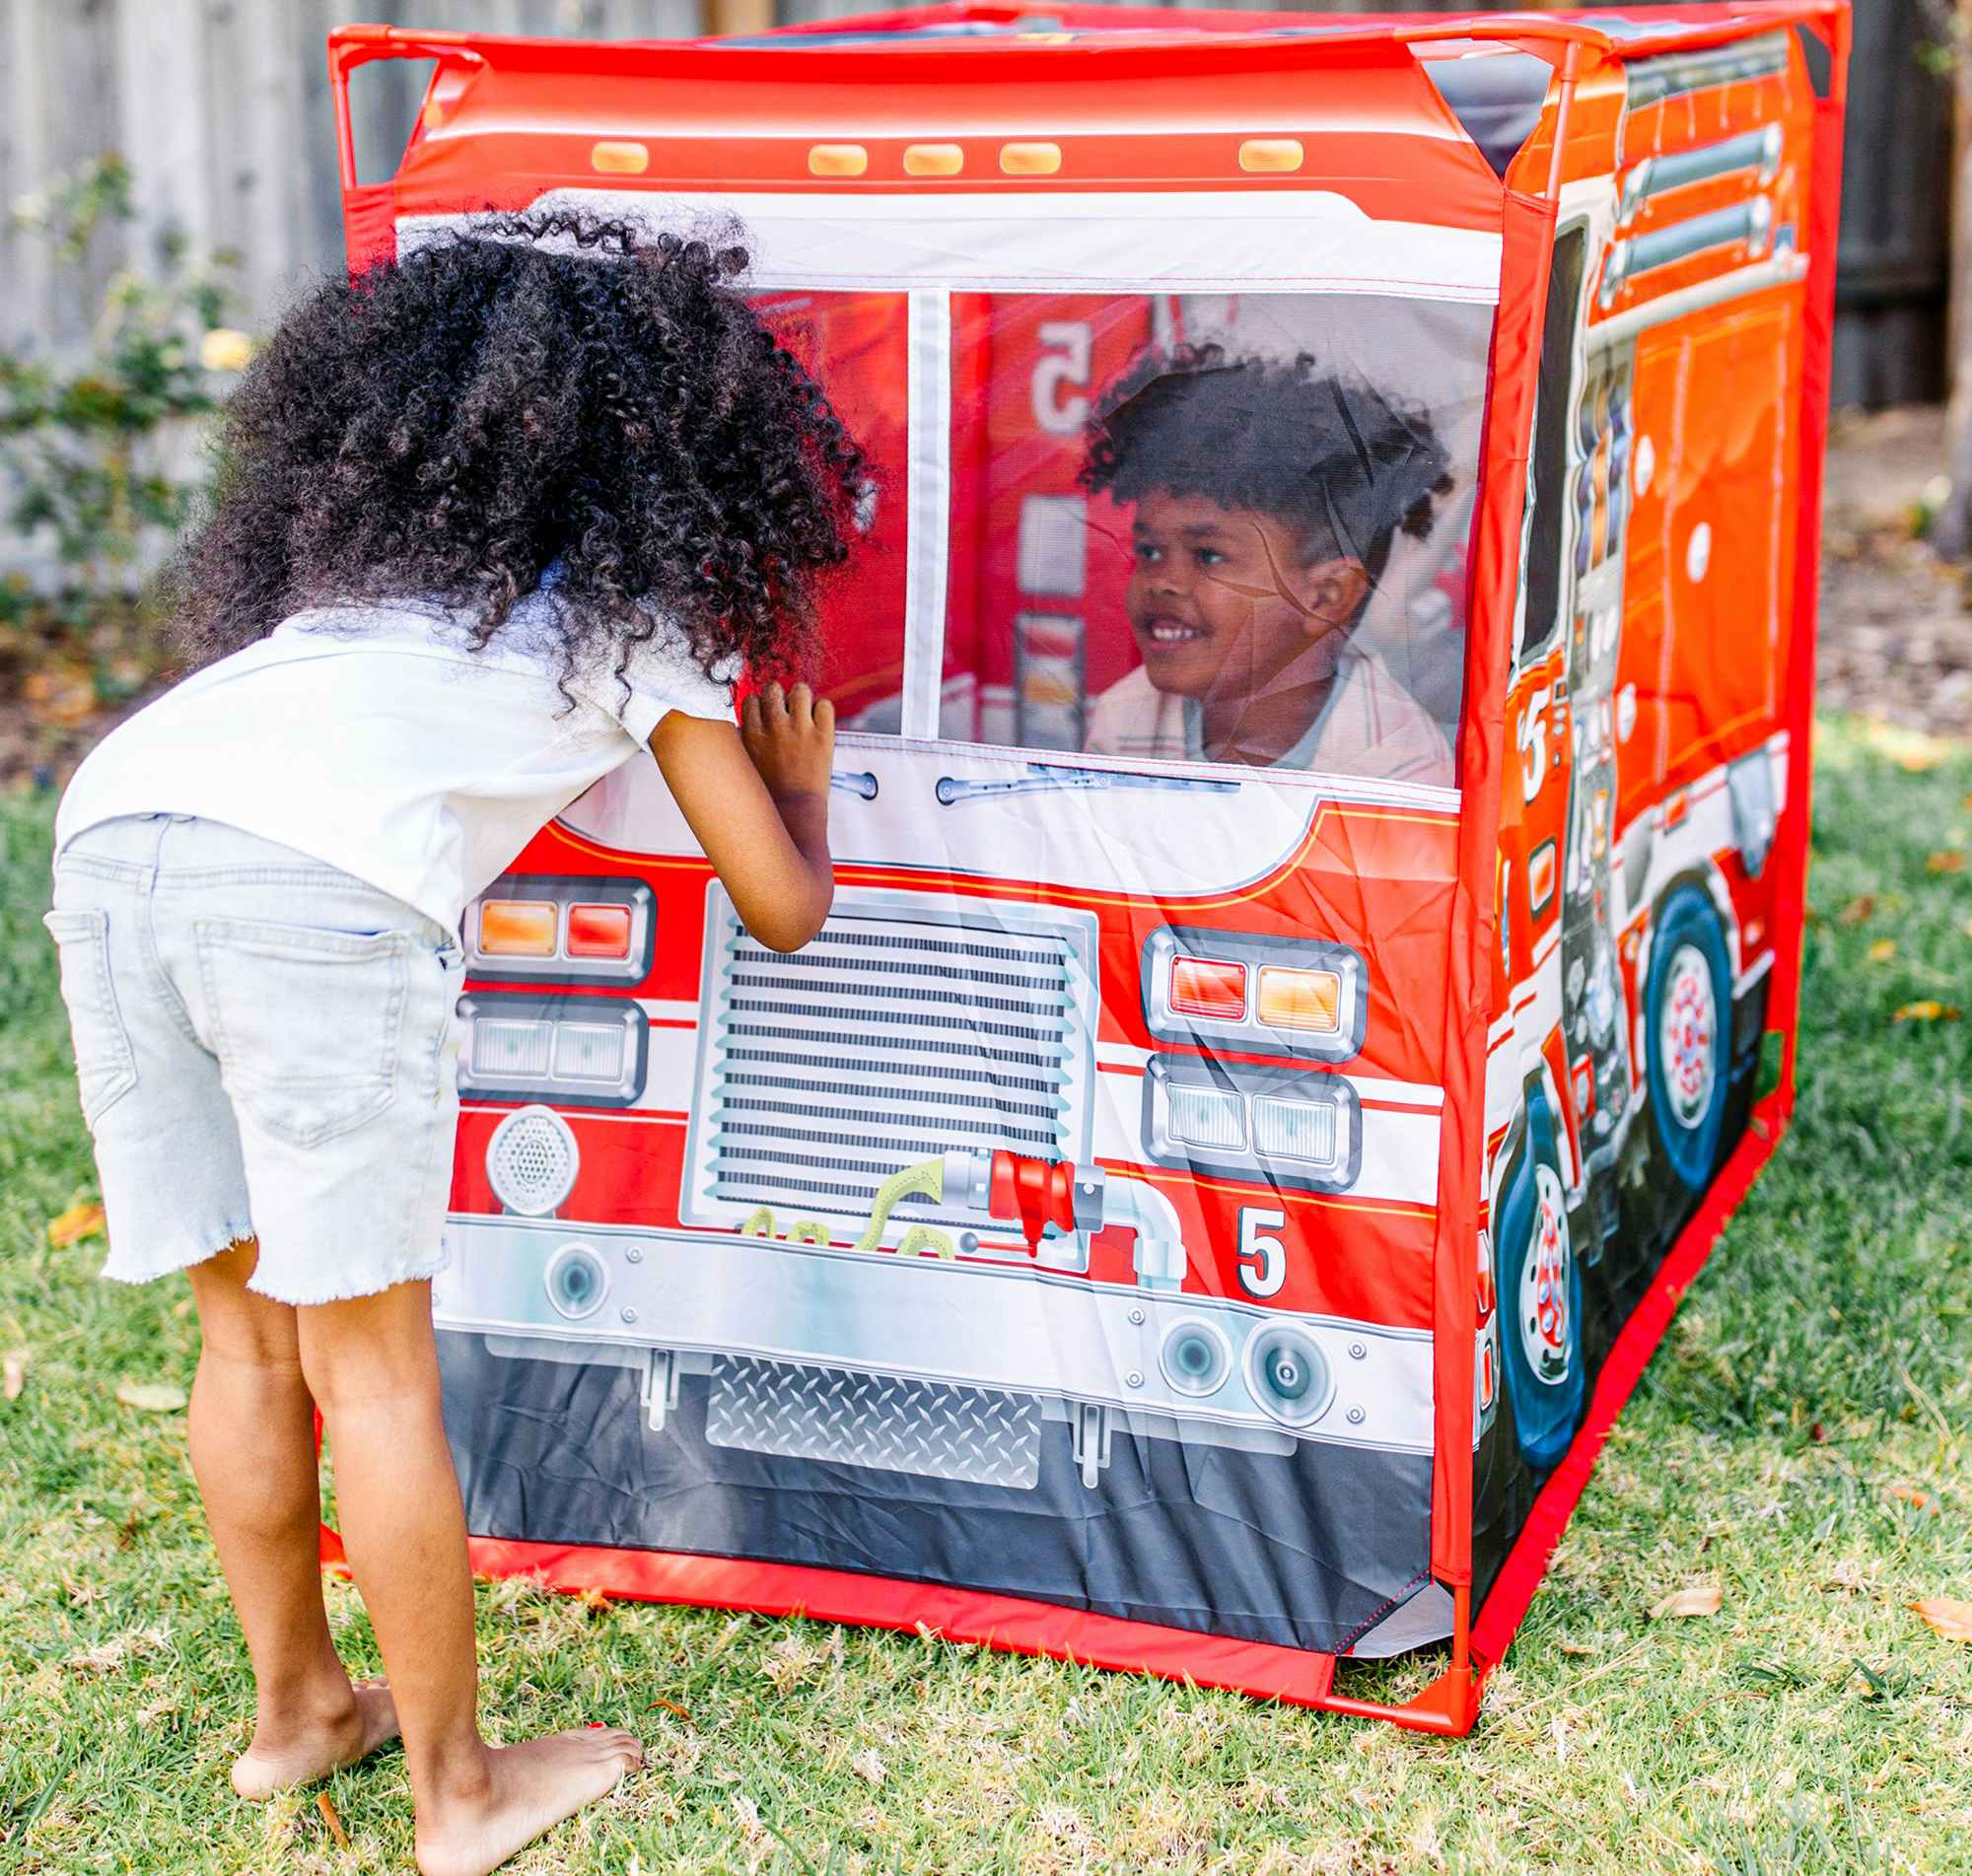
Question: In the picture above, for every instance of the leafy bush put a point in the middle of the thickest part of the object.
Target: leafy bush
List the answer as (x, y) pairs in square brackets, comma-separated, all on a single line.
[(99, 466)]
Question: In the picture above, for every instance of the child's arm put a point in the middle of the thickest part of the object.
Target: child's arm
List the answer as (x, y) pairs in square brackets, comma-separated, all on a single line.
[(757, 799)]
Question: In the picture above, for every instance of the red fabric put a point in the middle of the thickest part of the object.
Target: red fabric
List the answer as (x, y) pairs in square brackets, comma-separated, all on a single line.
[(1296, 1676), (1528, 234), (1526, 1563), (714, 116), (370, 226)]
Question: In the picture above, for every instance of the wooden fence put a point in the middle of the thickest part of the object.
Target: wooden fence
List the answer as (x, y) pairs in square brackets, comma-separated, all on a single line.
[(222, 108)]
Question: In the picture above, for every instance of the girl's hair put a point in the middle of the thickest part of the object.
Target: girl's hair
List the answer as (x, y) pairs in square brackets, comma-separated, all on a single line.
[(546, 393), (1343, 464)]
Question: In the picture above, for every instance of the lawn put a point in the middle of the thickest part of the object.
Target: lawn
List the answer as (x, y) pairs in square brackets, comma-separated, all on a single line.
[(1797, 1442)]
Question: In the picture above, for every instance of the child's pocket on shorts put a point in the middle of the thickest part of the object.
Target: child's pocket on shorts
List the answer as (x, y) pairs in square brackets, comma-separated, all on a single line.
[(105, 1066), (308, 1024)]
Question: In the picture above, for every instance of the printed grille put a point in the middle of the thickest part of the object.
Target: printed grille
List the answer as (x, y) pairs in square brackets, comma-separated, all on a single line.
[(933, 1429), (883, 1043)]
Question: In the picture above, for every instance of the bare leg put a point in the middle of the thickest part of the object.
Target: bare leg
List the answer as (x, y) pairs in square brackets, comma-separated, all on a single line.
[(252, 1450), (372, 1365)]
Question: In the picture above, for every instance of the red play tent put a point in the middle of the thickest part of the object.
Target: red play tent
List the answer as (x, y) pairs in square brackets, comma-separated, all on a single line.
[(1321, 822)]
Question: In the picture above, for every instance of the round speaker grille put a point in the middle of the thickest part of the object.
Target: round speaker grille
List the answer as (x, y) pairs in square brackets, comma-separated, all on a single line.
[(1196, 1359), (531, 1162), (1288, 1376), (576, 1280)]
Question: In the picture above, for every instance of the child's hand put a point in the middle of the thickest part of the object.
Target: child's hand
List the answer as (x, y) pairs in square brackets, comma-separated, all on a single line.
[(759, 802), (789, 737)]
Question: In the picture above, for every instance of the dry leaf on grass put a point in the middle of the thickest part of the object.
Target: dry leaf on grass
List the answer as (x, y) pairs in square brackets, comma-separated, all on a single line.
[(1912, 750), (1882, 951), (14, 1373), (1945, 863), (105, 1658), (64, 695), (76, 1223), (1912, 1496), (1928, 1010), (1952, 1617), (1695, 1599), (868, 1765), (154, 1397), (1857, 911), (333, 1822)]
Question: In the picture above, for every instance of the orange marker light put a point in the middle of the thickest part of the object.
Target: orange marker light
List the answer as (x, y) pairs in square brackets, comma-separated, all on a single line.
[(1204, 987), (599, 931), (1300, 1000), (1029, 158), (1540, 876), (837, 159), (1270, 156), (934, 159), (517, 928), (618, 157)]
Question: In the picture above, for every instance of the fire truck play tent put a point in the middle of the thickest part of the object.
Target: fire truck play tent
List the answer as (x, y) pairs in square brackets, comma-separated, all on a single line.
[(1321, 816)]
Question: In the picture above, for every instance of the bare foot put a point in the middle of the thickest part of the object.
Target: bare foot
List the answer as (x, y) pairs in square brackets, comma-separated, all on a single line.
[(528, 1789), (278, 1758)]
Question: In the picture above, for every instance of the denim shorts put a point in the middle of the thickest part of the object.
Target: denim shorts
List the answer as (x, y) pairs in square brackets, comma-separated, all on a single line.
[(267, 1048)]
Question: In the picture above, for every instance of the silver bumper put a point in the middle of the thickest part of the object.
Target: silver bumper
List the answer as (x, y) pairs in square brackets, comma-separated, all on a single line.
[(805, 1344)]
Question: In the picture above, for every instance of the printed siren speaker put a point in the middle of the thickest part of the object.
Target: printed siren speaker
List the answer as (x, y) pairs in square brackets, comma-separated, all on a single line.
[(531, 1162)]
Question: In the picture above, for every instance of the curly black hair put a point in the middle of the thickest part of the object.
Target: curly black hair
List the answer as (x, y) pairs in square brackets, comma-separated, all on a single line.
[(547, 391), (1344, 464)]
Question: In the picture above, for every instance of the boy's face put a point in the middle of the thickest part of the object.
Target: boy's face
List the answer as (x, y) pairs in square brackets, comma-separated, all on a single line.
[(1221, 602)]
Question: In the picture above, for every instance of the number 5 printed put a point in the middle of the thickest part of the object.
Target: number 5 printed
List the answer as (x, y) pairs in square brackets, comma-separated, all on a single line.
[(1263, 1259), (1533, 742), (1064, 367)]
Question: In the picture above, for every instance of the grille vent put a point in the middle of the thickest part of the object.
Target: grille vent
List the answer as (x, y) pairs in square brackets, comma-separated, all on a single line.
[(887, 1041)]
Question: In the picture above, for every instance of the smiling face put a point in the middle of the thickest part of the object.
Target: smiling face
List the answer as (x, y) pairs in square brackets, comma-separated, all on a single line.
[(1223, 601)]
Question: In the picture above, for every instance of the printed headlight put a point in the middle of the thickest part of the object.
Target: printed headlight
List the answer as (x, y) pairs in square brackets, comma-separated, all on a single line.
[(569, 1051), (1280, 1126)]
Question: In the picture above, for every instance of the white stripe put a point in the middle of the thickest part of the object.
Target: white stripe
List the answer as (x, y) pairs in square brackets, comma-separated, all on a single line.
[(927, 535), (1287, 241)]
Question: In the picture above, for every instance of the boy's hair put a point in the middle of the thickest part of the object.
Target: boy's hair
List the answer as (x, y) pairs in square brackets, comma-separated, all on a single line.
[(1331, 456), (539, 391)]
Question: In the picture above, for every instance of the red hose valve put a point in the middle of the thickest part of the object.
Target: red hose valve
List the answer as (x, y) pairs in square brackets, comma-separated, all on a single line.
[(1037, 1192)]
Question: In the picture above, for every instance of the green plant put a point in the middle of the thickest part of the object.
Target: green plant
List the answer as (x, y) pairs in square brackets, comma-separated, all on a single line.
[(98, 464), (87, 443)]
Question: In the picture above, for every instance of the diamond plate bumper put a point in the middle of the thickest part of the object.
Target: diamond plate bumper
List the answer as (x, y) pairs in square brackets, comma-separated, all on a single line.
[(928, 1428)]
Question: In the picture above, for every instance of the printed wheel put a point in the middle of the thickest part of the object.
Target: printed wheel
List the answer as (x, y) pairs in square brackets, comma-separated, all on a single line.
[(1539, 1288), (1687, 1023)]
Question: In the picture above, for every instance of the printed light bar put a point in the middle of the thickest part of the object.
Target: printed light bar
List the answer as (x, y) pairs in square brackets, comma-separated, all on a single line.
[(1281, 1127), (1235, 991), (1300, 1000), (569, 1051), (1201, 987), (518, 927), (544, 929)]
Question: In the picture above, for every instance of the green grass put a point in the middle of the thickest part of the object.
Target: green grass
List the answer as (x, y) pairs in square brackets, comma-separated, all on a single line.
[(1823, 1360)]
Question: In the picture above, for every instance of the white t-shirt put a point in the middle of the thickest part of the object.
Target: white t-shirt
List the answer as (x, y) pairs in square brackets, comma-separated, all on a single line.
[(1368, 724), (375, 739)]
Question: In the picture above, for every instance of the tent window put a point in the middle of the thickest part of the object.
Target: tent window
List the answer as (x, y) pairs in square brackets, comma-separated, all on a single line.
[(1550, 450)]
